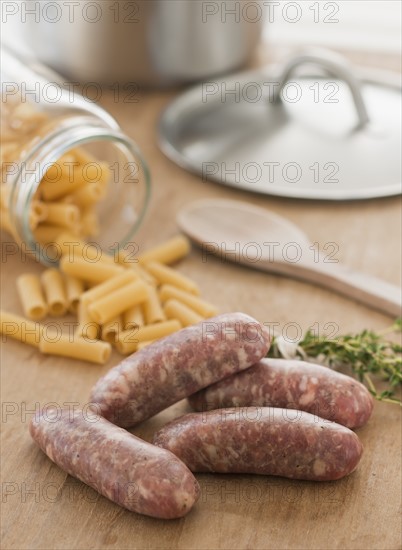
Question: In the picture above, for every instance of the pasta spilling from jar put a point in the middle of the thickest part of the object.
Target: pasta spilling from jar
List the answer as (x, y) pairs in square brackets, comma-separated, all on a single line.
[(70, 188), (118, 301)]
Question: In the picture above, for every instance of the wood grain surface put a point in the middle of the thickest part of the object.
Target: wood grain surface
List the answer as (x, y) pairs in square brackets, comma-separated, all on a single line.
[(43, 508)]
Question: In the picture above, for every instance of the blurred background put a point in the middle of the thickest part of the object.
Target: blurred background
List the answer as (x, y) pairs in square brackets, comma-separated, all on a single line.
[(218, 35), (372, 26)]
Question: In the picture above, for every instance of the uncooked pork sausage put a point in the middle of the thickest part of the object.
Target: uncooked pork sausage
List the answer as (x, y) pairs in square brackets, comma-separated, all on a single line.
[(291, 384), (127, 470), (178, 365), (262, 440)]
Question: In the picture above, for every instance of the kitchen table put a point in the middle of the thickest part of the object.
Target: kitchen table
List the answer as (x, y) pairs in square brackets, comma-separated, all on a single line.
[(44, 508)]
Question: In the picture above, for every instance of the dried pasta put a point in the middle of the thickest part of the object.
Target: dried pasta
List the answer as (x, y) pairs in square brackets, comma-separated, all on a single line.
[(74, 291), (124, 303), (108, 286), (105, 308), (167, 275), (87, 327), (129, 339), (89, 223), (53, 286), (59, 187), (133, 317), (77, 348), (65, 215), (145, 275), (31, 295), (46, 233), (87, 195), (73, 247), (153, 311), (201, 307), (111, 330), (96, 272), (177, 310), (37, 214), (20, 329), (167, 253)]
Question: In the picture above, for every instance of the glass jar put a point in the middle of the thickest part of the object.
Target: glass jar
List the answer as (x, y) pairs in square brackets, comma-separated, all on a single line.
[(67, 167)]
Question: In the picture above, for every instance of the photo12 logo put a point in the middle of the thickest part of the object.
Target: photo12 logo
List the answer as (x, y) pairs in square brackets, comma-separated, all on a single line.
[(235, 11), (326, 91), (252, 252), (272, 172), (67, 92), (90, 12)]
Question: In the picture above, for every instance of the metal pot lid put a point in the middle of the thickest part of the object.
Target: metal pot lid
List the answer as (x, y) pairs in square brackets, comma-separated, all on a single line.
[(306, 136)]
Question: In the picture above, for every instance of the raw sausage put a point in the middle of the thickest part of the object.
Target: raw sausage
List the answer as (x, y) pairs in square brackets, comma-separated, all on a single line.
[(262, 440), (178, 365), (293, 385), (127, 470)]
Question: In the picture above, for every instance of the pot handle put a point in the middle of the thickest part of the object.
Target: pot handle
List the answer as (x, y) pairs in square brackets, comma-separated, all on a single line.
[(337, 66)]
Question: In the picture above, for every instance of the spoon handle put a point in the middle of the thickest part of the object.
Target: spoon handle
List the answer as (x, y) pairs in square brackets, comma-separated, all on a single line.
[(363, 288)]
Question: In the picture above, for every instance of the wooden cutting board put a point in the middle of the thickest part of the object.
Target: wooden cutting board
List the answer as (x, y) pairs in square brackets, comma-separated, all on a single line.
[(43, 508)]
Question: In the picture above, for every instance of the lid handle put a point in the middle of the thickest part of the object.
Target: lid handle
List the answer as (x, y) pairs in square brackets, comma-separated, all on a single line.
[(335, 65)]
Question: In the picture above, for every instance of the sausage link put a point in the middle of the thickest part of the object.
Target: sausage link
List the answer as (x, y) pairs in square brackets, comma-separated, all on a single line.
[(127, 470), (293, 385), (177, 366), (262, 440)]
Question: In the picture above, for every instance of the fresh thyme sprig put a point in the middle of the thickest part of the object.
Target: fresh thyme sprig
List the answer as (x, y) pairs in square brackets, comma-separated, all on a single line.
[(369, 354)]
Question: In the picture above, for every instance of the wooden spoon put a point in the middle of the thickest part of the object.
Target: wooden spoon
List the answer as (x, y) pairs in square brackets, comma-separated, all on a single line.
[(250, 235)]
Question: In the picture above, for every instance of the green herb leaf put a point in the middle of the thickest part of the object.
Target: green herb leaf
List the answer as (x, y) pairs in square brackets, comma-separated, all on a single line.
[(368, 354)]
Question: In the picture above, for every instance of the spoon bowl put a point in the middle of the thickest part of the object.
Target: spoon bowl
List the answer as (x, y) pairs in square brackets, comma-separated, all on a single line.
[(250, 235)]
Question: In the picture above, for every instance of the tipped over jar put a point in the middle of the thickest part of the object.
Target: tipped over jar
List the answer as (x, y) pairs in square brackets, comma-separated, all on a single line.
[(68, 170)]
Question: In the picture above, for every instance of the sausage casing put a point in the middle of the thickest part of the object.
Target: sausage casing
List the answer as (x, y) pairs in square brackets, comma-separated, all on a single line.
[(178, 365), (127, 470), (291, 384), (262, 440)]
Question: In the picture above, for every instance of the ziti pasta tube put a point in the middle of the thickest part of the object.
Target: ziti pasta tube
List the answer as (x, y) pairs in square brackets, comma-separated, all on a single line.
[(87, 328), (65, 215), (19, 328), (53, 286), (72, 247), (78, 348), (167, 275), (52, 190), (133, 317), (96, 272), (108, 286), (203, 308), (167, 253), (37, 214), (144, 274), (31, 295), (87, 195), (115, 303), (129, 339), (111, 330), (74, 290), (89, 223), (46, 233), (176, 310), (153, 311), (82, 156)]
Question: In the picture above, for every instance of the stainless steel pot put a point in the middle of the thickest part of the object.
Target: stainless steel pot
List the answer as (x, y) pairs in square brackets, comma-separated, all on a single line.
[(150, 42)]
